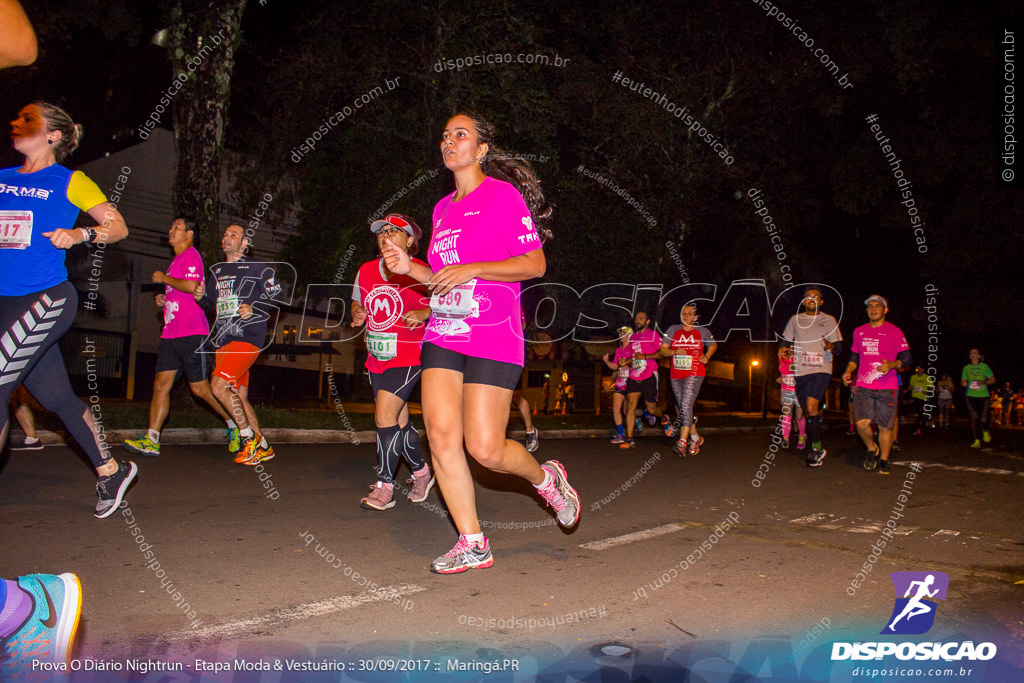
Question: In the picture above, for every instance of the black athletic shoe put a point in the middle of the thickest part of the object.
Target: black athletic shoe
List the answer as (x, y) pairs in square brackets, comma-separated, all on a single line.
[(883, 467), (871, 459), (111, 489), (816, 458)]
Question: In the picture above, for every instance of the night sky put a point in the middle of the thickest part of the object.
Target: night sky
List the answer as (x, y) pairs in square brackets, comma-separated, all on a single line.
[(795, 125)]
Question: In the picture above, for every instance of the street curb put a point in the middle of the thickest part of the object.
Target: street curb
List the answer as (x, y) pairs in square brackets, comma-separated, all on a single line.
[(186, 436)]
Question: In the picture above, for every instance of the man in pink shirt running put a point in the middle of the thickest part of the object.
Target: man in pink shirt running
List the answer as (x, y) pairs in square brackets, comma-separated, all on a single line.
[(185, 328), (879, 351), (643, 377)]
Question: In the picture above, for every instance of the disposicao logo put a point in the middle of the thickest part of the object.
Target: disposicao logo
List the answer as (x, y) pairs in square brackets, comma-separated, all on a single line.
[(913, 614)]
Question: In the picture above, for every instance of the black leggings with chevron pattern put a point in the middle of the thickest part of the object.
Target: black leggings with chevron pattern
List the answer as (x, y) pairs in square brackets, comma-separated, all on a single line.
[(30, 327)]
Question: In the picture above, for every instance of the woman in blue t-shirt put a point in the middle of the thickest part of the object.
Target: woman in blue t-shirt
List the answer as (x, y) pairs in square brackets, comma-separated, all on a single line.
[(39, 204)]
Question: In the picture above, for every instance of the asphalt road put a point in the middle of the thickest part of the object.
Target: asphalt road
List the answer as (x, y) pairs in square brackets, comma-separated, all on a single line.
[(717, 564)]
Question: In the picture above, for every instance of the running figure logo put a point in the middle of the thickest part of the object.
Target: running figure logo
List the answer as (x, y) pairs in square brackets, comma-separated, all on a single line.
[(914, 612)]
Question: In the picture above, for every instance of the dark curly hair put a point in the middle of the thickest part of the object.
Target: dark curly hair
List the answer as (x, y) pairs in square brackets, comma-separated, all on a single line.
[(512, 168)]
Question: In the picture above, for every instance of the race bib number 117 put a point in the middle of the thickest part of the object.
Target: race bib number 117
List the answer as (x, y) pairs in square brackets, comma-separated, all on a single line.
[(15, 229)]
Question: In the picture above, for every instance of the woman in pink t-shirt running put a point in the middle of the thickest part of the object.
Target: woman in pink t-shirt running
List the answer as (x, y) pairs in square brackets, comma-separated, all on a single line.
[(483, 244)]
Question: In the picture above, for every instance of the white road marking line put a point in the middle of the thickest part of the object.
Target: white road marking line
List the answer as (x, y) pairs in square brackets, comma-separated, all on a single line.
[(962, 468), (825, 520), (187, 638), (635, 536), (811, 519), (875, 528)]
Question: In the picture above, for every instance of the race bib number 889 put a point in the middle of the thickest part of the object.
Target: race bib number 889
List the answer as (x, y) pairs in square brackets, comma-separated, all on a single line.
[(458, 303)]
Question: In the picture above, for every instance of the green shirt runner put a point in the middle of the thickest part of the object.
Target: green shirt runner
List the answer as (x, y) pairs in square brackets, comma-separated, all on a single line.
[(976, 376), (919, 385)]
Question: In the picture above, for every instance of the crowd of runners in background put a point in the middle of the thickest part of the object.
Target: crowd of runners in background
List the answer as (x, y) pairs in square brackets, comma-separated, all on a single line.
[(878, 359)]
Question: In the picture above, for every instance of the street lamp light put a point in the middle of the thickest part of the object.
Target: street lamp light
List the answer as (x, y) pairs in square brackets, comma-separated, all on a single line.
[(750, 386)]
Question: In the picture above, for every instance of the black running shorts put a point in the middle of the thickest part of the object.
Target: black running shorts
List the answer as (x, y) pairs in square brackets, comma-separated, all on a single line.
[(182, 353), (812, 386), (647, 387), (397, 381), (474, 370)]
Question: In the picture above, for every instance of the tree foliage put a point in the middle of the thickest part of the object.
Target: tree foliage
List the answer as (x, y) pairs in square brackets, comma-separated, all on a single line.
[(928, 70), (204, 35)]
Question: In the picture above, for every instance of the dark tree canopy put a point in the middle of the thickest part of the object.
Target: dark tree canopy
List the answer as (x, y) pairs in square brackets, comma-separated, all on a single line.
[(795, 131), (204, 35)]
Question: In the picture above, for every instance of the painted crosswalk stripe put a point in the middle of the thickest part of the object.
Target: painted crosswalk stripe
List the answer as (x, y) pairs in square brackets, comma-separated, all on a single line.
[(214, 633), (636, 536), (852, 525), (962, 468)]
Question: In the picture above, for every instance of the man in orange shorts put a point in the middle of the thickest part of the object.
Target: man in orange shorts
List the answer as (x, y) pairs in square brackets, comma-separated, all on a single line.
[(235, 289)]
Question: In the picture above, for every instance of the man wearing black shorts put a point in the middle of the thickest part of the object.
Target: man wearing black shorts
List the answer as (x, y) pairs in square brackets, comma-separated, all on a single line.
[(185, 328), (816, 339)]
